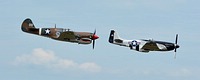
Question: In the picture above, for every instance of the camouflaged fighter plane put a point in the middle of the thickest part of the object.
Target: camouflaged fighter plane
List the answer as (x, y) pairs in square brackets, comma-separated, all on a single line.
[(60, 34), (143, 45)]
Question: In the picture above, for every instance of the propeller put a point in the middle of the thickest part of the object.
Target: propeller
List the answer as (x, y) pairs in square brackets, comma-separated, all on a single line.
[(94, 37), (176, 45)]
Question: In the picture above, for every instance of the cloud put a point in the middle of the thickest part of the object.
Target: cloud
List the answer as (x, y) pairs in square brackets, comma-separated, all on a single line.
[(39, 56), (92, 67), (48, 59)]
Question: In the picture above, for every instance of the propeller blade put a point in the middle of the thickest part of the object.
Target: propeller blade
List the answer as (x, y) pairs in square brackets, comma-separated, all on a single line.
[(176, 46), (94, 32), (176, 39), (93, 38), (93, 44), (175, 50)]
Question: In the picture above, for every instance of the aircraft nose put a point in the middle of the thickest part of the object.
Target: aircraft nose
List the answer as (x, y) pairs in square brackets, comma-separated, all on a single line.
[(177, 46), (95, 37)]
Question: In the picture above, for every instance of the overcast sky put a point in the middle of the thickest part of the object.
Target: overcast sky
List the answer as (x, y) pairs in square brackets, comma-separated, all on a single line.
[(30, 57)]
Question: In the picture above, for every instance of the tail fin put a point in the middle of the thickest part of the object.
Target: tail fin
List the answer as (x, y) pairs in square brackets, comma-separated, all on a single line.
[(114, 37), (28, 26)]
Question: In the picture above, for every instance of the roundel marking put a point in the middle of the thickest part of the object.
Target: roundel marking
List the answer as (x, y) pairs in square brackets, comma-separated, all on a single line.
[(57, 34), (134, 43)]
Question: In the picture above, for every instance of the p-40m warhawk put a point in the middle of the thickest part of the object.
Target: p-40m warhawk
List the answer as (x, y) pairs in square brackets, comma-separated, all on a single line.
[(143, 45), (60, 34)]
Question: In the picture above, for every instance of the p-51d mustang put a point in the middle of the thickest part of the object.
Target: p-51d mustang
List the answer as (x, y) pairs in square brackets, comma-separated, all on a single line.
[(143, 45), (60, 34)]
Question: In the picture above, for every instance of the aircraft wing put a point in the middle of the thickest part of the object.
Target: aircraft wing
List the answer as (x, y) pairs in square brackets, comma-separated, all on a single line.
[(67, 35), (150, 45)]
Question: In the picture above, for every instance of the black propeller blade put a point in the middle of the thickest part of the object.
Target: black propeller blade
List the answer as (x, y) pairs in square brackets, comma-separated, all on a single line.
[(176, 42), (93, 39), (93, 44), (176, 45)]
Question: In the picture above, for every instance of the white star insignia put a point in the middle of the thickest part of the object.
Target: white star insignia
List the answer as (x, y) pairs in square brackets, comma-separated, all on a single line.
[(47, 31)]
